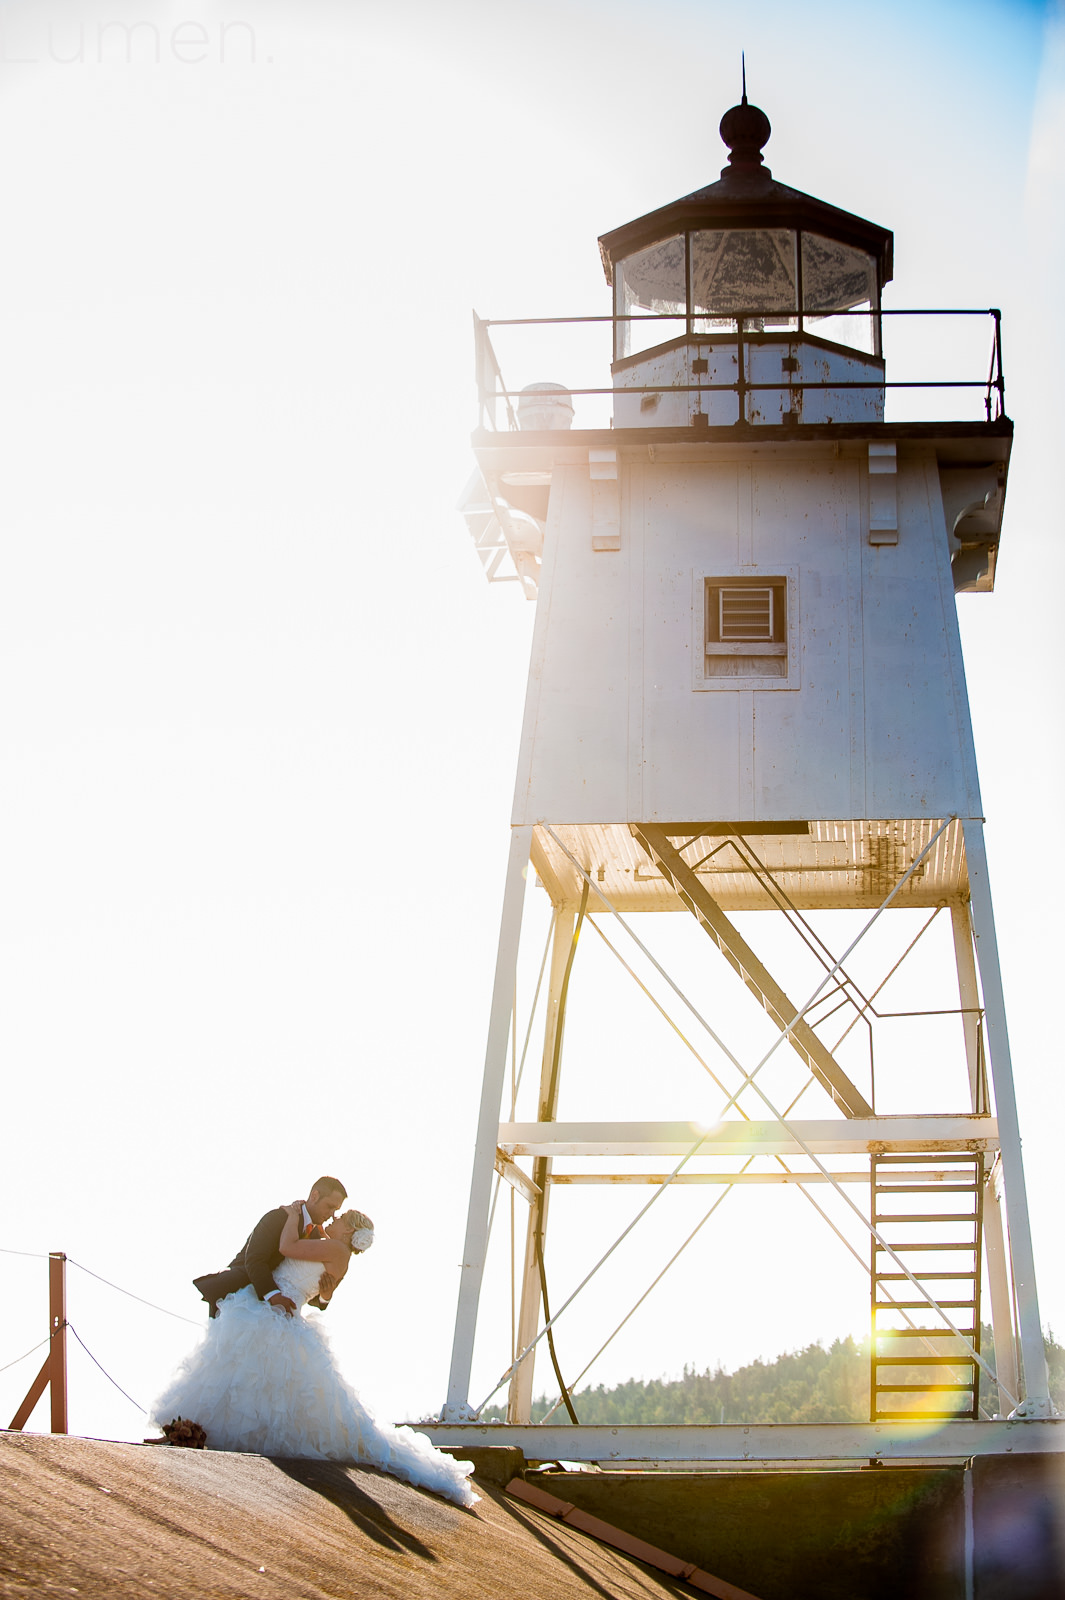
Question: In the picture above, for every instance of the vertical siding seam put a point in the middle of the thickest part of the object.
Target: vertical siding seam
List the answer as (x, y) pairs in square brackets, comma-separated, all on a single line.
[(963, 727), (538, 653), (857, 711)]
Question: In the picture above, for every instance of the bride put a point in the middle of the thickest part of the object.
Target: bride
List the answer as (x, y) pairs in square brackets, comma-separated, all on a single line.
[(266, 1381)]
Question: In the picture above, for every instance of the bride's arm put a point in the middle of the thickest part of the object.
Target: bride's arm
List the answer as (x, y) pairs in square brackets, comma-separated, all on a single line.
[(299, 1249)]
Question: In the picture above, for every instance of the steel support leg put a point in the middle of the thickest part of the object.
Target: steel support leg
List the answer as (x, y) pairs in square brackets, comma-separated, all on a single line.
[(998, 1283), (519, 1399), (495, 1066), (969, 995), (1036, 1384)]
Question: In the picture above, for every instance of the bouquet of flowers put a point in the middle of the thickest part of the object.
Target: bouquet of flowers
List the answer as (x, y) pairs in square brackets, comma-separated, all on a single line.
[(185, 1434)]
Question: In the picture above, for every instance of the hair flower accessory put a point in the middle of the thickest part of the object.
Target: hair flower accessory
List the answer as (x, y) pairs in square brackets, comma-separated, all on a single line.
[(361, 1231)]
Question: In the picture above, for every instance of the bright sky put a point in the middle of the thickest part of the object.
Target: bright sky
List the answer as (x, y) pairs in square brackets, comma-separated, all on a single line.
[(259, 710)]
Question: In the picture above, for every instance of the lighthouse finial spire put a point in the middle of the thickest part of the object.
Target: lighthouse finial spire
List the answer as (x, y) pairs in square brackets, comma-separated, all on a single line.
[(745, 129)]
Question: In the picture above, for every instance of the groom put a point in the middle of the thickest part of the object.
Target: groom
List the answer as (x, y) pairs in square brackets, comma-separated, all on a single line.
[(260, 1255)]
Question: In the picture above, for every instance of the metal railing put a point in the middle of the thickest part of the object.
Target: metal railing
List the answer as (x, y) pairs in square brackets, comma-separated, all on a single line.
[(746, 331)]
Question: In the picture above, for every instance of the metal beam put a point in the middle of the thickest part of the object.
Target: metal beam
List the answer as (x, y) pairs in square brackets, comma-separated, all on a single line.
[(516, 1178), (495, 1063), (722, 1179), (998, 1282), (969, 995), (837, 1136), (519, 1398), (738, 953), (761, 1442), (1037, 1401)]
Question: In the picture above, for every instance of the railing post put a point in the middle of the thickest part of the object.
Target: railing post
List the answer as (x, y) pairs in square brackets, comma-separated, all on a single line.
[(57, 1327), (1000, 382), (479, 366), (53, 1373)]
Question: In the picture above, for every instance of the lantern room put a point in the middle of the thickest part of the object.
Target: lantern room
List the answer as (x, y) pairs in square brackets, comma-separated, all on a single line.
[(747, 301)]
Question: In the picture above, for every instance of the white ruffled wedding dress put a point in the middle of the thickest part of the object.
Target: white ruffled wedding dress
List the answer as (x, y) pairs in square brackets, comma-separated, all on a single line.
[(268, 1383)]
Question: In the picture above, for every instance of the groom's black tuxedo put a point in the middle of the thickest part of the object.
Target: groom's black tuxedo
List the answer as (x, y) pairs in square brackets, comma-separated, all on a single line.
[(255, 1262)]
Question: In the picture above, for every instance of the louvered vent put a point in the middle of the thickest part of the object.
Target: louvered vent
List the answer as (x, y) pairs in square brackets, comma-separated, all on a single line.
[(745, 613)]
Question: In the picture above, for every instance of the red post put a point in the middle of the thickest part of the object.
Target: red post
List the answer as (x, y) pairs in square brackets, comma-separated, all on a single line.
[(57, 1327), (53, 1374), (33, 1394)]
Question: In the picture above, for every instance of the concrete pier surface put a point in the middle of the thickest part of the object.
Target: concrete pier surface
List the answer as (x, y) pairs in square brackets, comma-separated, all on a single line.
[(90, 1518)]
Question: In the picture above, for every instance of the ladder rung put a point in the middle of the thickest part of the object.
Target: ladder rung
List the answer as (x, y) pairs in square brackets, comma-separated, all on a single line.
[(925, 1188), (921, 1277), (920, 1333), (922, 1305), (923, 1216), (899, 1247), (927, 1158), (923, 1388), (958, 1415), (925, 1360)]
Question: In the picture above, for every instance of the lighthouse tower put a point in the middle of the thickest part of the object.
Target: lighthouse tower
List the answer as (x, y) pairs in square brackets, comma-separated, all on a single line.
[(747, 695)]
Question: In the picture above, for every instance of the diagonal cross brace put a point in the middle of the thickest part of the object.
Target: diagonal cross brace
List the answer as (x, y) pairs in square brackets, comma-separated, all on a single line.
[(738, 953)]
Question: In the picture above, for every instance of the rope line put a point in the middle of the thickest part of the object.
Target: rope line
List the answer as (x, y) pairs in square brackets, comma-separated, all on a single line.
[(17, 1359), (37, 1255), (132, 1296), (104, 1370)]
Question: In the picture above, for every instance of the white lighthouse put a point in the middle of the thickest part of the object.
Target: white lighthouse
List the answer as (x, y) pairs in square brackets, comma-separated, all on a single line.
[(747, 694)]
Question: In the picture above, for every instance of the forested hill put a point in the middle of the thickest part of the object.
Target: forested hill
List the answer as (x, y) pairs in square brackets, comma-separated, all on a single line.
[(811, 1385)]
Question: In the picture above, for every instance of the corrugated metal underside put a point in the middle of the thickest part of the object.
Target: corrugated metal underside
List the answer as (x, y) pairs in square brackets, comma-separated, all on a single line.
[(833, 866)]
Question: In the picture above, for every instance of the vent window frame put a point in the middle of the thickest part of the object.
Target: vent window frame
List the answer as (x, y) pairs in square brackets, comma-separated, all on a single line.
[(745, 646)]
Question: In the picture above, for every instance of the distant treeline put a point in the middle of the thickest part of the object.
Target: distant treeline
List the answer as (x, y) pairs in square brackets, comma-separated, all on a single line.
[(811, 1385)]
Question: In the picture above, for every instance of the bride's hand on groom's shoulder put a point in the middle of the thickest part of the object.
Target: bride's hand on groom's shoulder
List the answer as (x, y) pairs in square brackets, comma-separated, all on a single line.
[(293, 1207)]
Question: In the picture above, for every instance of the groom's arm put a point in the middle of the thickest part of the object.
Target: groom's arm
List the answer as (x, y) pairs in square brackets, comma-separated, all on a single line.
[(262, 1253)]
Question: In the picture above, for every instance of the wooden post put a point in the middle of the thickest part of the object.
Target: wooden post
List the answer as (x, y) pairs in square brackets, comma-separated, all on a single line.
[(57, 1324), (54, 1371)]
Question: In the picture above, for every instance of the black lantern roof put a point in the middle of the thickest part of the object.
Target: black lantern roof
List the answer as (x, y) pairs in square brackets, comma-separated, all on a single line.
[(747, 196)]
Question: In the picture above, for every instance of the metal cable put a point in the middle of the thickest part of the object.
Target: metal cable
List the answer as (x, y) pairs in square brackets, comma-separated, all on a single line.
[(652, 1285), (774, 1112), (884, 983), (150, 1303), (565, 1398), (38, 1255), (104, 1370), (759, 1091), (532, 1018), (675, 1257), (17, 1359), (663, 1012), (552, 1090), (786, 1032)]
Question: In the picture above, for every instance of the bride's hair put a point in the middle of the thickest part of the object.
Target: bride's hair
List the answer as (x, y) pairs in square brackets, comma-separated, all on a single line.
[(361, 1230)]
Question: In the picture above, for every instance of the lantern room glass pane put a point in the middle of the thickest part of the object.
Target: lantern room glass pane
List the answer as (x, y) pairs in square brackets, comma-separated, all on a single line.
[(654, 280), (835, 278), (744, 270)]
